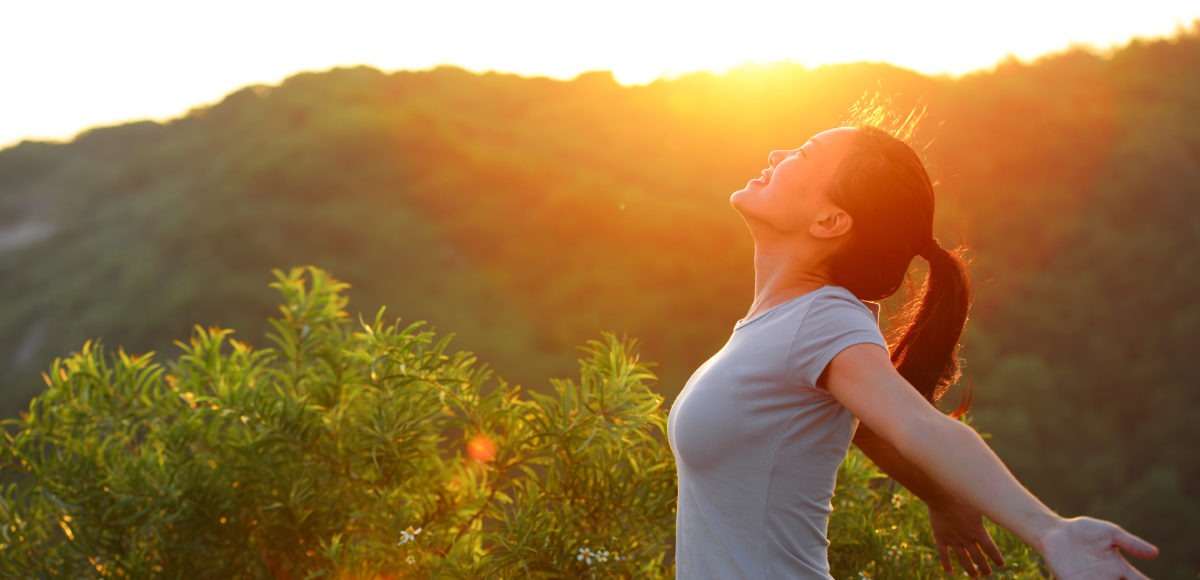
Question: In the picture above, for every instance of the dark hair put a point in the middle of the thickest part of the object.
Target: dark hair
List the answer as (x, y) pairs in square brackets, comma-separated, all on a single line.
[(883, 185)]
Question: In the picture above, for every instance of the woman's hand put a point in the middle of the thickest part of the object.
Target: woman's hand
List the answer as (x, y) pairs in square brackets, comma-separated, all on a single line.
[(863, 380), (958, 529), (1090, 549)]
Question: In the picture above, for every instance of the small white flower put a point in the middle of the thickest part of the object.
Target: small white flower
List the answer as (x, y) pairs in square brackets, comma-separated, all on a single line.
[(411, 560), (408, 535), (598, 556)]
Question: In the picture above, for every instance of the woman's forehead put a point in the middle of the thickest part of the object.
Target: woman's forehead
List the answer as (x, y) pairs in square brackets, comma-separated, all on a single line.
[(833, 139)]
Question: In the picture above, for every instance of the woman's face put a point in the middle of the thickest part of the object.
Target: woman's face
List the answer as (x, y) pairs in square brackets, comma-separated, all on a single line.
[(792, 190)]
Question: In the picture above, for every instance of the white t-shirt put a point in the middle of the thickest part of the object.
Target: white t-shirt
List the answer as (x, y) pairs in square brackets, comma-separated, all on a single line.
[(757, 443)]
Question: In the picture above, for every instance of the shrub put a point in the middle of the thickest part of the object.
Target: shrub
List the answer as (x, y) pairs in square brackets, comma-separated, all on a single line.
[(368, 450)]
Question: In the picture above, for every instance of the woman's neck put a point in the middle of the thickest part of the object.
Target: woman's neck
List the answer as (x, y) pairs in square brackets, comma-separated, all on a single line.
[(782, 273)]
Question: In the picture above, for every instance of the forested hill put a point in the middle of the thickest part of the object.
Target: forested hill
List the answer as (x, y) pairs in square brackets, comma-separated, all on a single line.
[(527, 215)]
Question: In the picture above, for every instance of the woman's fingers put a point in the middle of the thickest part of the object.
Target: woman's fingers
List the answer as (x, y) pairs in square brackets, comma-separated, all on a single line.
[(972, 557), (980, 562), (988, 545), (944, 554), (1134, 574), (964, 560), (1084, 548), (1131, 573), (1134, 545)]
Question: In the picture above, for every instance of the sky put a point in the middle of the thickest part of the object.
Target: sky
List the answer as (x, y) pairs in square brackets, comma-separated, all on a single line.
[(69, 65)]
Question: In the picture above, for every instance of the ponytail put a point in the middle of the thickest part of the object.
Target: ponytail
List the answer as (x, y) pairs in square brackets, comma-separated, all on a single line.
[(883, 185), (925, 341)]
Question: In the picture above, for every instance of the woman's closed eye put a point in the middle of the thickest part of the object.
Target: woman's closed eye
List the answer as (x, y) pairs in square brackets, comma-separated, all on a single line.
[(777, 157)]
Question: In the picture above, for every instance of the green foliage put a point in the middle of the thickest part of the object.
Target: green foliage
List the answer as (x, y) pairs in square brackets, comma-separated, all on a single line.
[(880, 530), (323, 452), (368, 450)]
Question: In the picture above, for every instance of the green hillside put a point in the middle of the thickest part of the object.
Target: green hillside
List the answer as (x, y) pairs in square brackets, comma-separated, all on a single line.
[(526, 215)]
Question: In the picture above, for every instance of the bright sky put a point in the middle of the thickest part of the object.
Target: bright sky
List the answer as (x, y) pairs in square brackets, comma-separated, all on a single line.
[(68, 65)]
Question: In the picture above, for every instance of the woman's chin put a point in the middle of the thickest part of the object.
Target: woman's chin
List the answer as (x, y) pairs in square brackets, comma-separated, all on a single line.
[(735, 198), (741, 196)]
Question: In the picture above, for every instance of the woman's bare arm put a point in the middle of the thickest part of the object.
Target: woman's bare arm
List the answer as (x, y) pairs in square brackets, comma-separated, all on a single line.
[(888, 458), (957, 526), (863, 380)]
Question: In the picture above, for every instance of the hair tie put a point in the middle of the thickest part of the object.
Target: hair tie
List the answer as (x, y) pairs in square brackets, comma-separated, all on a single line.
[(928, 248)]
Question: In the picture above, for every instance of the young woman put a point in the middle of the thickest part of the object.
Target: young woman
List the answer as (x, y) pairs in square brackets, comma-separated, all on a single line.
[(759, 430)]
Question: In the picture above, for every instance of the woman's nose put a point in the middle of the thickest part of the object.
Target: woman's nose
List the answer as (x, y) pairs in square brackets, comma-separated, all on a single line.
[(775, 157)]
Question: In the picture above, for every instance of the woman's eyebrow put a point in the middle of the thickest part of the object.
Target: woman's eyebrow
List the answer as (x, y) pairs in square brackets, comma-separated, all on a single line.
[(801, 149)]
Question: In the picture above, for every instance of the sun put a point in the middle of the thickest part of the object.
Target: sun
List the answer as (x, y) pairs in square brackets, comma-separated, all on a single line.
[(130, 59)]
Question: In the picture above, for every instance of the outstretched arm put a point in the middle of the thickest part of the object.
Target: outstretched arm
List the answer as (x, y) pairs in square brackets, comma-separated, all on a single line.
[(863, 380), (957, 526)]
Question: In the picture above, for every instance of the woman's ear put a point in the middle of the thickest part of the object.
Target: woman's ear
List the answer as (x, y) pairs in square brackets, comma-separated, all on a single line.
[(832, 224)]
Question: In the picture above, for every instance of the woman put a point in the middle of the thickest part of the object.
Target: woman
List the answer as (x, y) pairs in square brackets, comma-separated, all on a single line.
[(759, 430)]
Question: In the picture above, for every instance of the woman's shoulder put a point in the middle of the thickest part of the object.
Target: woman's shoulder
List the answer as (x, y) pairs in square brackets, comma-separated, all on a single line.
[(836, 320), (835, 313), (839, 298), (823, 302)]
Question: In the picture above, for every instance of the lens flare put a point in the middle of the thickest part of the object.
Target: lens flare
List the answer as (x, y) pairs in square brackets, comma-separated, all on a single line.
[(481, 448)]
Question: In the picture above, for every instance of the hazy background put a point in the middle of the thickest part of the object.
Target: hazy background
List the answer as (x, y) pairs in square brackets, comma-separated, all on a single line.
[(70, 64)]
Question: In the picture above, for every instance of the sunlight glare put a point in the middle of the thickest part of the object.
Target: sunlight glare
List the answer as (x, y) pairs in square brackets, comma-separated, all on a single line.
[(131, 59)]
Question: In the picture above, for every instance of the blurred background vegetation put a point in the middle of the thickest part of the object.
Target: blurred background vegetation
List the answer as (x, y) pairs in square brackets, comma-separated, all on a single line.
[(368, 449), (526, 215)]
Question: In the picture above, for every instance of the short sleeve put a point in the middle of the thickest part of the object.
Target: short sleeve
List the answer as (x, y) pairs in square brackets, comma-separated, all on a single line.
[(835, 322)]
